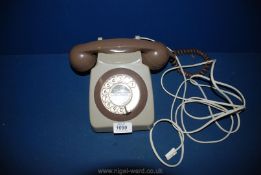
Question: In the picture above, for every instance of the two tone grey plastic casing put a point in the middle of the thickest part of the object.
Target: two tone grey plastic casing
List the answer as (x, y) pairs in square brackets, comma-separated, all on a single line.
[(132, 61)]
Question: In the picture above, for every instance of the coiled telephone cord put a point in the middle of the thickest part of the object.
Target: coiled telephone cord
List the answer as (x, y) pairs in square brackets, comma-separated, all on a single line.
[(192, 52)]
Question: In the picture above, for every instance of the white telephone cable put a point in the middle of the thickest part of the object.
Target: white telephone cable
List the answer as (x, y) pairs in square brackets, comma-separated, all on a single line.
[(223, 107), (227, 109)]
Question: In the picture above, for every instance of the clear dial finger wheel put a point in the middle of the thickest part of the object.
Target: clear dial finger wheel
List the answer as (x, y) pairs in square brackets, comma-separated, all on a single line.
[(120, 94)]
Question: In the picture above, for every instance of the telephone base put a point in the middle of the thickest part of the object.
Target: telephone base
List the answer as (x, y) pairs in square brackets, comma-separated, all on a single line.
[(127, 71)]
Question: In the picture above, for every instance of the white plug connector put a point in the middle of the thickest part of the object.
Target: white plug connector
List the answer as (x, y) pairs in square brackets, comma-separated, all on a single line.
[(171, 153), (137, 37)]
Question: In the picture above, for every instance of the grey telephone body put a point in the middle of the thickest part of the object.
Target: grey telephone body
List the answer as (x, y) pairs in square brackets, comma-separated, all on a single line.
[(131, 61)]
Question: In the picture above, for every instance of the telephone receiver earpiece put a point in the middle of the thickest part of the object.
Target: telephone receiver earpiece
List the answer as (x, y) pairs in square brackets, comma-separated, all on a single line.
[(83, 57)]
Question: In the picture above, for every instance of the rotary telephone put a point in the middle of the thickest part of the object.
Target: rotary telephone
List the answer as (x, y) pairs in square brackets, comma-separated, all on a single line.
[(120, 83), (121, 93)]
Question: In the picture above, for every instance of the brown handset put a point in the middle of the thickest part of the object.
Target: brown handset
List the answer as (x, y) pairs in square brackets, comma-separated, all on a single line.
[(120, 81), (83, 57)]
